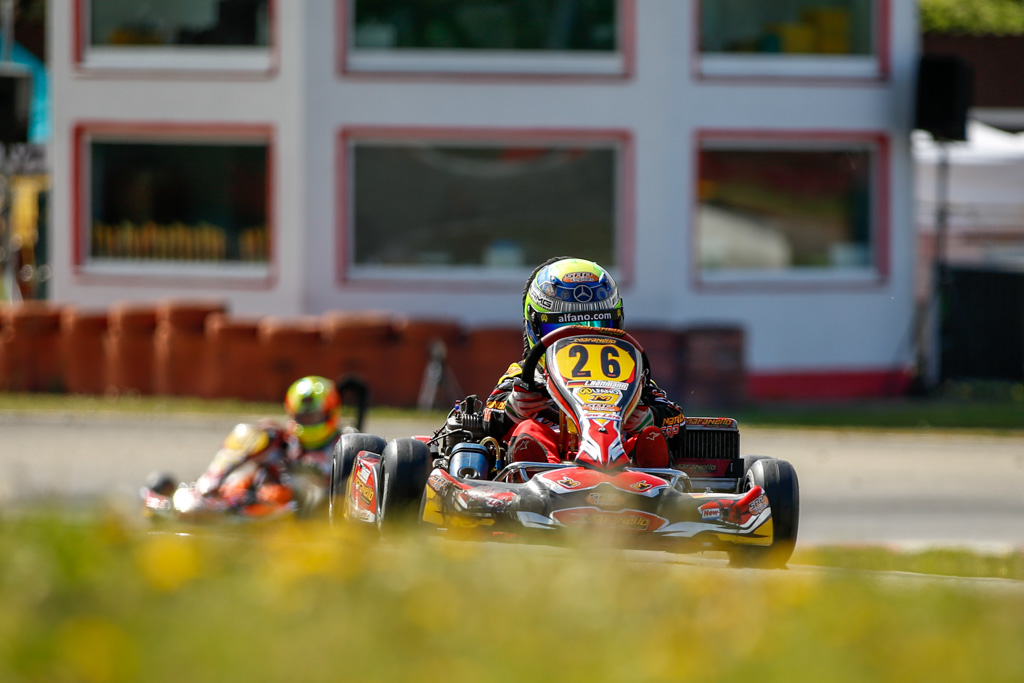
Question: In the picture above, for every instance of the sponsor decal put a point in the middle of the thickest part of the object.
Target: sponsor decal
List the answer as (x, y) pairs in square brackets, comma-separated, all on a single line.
[(626, 520), (710, 511), (580, 277), (641, 485), (567, 482), (437, 481), (702, 467), (606, 412), (583, 294), (365, 492), (589, 395), (711, 422), (565, 318), (597, 384), (593, 340), (608, 500), (363, 474), (758, 505), (674, 420)]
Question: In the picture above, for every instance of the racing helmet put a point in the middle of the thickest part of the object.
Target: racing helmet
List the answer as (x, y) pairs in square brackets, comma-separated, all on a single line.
[(569, 291), (314, 410)]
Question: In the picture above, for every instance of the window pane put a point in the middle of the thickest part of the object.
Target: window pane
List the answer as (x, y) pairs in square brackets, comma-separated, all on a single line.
[(486, 24), (179, 202), (785, 209), (491, 206), (176, 22), (840, 27)]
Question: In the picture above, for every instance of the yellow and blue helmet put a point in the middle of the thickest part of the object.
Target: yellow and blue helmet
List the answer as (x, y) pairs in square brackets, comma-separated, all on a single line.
[(570, 291)]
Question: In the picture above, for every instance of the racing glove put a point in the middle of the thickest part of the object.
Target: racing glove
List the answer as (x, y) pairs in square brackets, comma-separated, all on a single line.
[(640, 417), (523, 404)]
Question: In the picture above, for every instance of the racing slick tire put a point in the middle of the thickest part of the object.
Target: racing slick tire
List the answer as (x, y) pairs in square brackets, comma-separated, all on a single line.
[(779, 481), (345, 451), (748, 462), (163, 483), (404, 468)]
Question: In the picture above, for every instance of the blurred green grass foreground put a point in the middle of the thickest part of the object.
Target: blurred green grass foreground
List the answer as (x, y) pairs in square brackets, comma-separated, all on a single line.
[(99, 600)]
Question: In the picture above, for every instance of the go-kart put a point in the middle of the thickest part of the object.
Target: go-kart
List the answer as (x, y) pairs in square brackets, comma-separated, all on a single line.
[(250, 476), (710, 498), (248, 479)]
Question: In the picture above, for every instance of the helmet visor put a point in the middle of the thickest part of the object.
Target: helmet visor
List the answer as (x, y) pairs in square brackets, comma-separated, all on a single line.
[(549, 322), (313, 417)]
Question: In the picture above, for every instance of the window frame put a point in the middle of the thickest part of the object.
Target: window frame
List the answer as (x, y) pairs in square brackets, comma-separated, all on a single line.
[(529, 64), (805, 68), (876, 274), (141, 61), (413, 278), (225, 274)]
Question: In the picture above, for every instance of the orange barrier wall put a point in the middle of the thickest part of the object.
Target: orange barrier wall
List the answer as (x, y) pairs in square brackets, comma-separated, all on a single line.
[(30, 351), (235, 358), (199, 349), (412, 354), (180, 347), (83, 334), (293, 348), (360, 345)]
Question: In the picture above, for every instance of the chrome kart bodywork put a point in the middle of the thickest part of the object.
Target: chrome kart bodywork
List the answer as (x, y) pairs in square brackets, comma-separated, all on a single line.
[(657, 504)]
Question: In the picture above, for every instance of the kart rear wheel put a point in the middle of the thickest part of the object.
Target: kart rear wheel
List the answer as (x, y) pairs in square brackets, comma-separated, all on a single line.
[(404, 468), (779, 481), (345, 451)]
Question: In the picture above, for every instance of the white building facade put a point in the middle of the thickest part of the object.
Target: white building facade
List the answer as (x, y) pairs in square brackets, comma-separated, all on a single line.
[(733, 162)]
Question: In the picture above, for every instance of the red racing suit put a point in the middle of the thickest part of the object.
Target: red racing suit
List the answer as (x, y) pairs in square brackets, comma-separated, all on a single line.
[(504, 425)]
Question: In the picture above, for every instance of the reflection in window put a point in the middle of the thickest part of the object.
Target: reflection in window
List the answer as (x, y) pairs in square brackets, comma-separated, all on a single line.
[(176, 22), (779, 210), (178, 202), (566, 25), (824, 27), (482, 206)]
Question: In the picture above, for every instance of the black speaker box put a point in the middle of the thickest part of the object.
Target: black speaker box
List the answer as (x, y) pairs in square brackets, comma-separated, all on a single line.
[(15, 100), (945, 90)]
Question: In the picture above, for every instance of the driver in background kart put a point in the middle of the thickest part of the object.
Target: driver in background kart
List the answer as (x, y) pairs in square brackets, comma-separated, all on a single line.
[(313, 405), (528, 420)]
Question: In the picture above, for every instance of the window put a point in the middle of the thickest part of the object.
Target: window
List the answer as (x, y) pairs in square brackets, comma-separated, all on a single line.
[(788, 210), (791, 38), (222, 35), (176, 205), (541, 36), (460, 208)]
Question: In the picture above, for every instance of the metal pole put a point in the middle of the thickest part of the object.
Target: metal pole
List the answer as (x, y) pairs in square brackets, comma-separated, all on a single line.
[(940, 272)]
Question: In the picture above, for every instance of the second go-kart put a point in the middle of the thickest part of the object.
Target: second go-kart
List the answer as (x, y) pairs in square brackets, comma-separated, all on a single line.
[(711, 498), (248, 479)]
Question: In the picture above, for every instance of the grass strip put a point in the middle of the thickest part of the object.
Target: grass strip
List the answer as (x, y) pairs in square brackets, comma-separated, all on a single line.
[(99, 600)]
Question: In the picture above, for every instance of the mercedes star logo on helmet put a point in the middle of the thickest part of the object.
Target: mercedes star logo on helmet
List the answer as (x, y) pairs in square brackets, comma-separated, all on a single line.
[(583, 293)]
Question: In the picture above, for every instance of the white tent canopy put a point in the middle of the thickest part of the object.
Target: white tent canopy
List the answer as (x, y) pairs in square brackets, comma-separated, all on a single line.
[(986, 179)]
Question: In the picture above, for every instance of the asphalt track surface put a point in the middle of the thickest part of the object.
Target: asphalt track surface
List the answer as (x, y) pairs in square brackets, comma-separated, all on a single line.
[(860, 487)]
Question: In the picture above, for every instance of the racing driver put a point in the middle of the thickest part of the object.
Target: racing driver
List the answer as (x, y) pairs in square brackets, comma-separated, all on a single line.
[(528, 420)]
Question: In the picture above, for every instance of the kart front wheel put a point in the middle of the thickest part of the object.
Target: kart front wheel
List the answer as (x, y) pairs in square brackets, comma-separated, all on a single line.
[(345, 451), (404, 468), (779, 481)]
